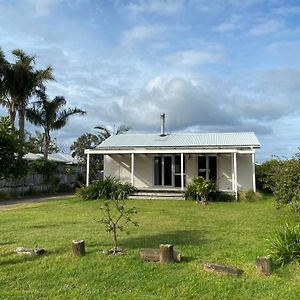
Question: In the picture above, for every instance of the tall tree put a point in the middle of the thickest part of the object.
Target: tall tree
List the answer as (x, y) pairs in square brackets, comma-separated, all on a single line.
[(11, 151), (26, 81), (18, 82), (4, 99), (51, 115), (104, 133)]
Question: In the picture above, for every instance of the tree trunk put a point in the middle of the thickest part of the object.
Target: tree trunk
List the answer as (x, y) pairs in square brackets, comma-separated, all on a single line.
[(12, 113), (46, 144), (21, 112), (115, 237), (78, 248), (166, 253)]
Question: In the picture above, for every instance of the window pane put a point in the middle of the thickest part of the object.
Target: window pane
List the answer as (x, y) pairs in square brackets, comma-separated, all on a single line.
[(202, 166)]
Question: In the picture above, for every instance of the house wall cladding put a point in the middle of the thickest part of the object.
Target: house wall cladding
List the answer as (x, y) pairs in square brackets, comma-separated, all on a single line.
[(118, 166)]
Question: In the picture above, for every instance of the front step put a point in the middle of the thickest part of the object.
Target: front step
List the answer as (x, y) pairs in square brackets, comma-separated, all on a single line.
[(171, 195)]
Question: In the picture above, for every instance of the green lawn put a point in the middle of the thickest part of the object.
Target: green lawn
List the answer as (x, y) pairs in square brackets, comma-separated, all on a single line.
[(231, 233)]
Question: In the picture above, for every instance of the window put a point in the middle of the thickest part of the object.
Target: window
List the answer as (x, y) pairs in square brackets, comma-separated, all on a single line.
[(207, 167)]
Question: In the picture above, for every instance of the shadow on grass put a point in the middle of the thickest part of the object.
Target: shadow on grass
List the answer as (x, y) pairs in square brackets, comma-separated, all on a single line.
[(177, 238), (16, 259)]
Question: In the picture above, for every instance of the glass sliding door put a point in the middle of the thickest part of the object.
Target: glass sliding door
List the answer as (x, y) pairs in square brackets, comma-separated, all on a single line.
[(177, 175), (157, 170), (167, 170)]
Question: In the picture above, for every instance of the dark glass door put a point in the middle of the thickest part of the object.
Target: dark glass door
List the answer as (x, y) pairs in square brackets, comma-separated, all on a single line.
[(168, 170), (157, 170)]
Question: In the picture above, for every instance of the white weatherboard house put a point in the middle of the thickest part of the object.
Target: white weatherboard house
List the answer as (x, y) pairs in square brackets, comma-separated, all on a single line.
[(171, 161)]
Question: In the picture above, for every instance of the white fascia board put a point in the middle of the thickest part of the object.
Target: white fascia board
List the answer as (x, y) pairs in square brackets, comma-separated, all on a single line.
[(165, 151)]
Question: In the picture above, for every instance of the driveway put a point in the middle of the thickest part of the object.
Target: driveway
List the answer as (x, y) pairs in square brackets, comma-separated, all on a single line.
[(11, 203)]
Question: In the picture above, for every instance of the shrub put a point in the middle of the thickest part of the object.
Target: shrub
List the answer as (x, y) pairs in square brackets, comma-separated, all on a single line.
[(287, 182), (285, 245), (265, 174), (200, 189), (222, 197), (109, 188), (43, 167), (249, 195)]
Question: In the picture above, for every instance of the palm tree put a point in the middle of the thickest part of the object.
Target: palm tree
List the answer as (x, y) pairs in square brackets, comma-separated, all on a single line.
[(18, 82), (4, 99), (51, 115), (104, 133), (23, 82)]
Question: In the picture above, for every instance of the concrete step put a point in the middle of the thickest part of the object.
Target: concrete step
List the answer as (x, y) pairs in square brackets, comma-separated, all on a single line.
[(171, 195), (148, 197)]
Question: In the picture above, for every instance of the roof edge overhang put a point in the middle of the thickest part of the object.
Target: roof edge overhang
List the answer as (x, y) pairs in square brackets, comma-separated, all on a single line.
[(168, 150)]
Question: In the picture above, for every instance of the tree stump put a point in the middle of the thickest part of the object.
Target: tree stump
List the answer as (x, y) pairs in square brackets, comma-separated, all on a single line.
[(166, 253), (264, 265), (150, 254), (78, 248)]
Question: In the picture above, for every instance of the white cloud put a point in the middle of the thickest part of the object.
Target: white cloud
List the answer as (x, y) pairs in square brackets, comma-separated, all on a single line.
[(211, 54), (140, 33), (232, 24), (43, 7), (163, 7), (267, 27)]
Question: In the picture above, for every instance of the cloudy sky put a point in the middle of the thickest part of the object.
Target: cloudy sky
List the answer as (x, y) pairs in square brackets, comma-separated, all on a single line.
[(221, 65)]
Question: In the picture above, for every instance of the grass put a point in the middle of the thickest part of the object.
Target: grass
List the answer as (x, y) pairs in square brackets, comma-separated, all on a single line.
[(230, 233)]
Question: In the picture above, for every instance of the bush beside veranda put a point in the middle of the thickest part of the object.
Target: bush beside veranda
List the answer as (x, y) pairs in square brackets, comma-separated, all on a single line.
[(109, 188), (200, 189)]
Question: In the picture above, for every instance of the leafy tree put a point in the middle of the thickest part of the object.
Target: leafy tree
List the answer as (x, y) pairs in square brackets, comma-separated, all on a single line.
[(20, 81), (35, 143), (51, 115), (11, 152), (85, 141), (88, 141)]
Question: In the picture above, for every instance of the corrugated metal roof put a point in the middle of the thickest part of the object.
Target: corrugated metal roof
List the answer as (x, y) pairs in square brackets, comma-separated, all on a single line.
[(56, 157), (235, 139)]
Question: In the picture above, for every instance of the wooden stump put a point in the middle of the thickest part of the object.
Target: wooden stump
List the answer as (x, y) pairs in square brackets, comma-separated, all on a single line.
[(150, 254), (222, 269), (78, 248), (166, 253), (264, 265)]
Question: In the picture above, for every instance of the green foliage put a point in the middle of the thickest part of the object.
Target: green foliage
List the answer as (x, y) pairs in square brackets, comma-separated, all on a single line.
[(43, 167), (11, 152), (116, 217), (285, 245), (249, 195), (282, 177), (51, 115), (109, 188), (265, 174), (88, 141), (287, 182), (200, 189), (222, 197)]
